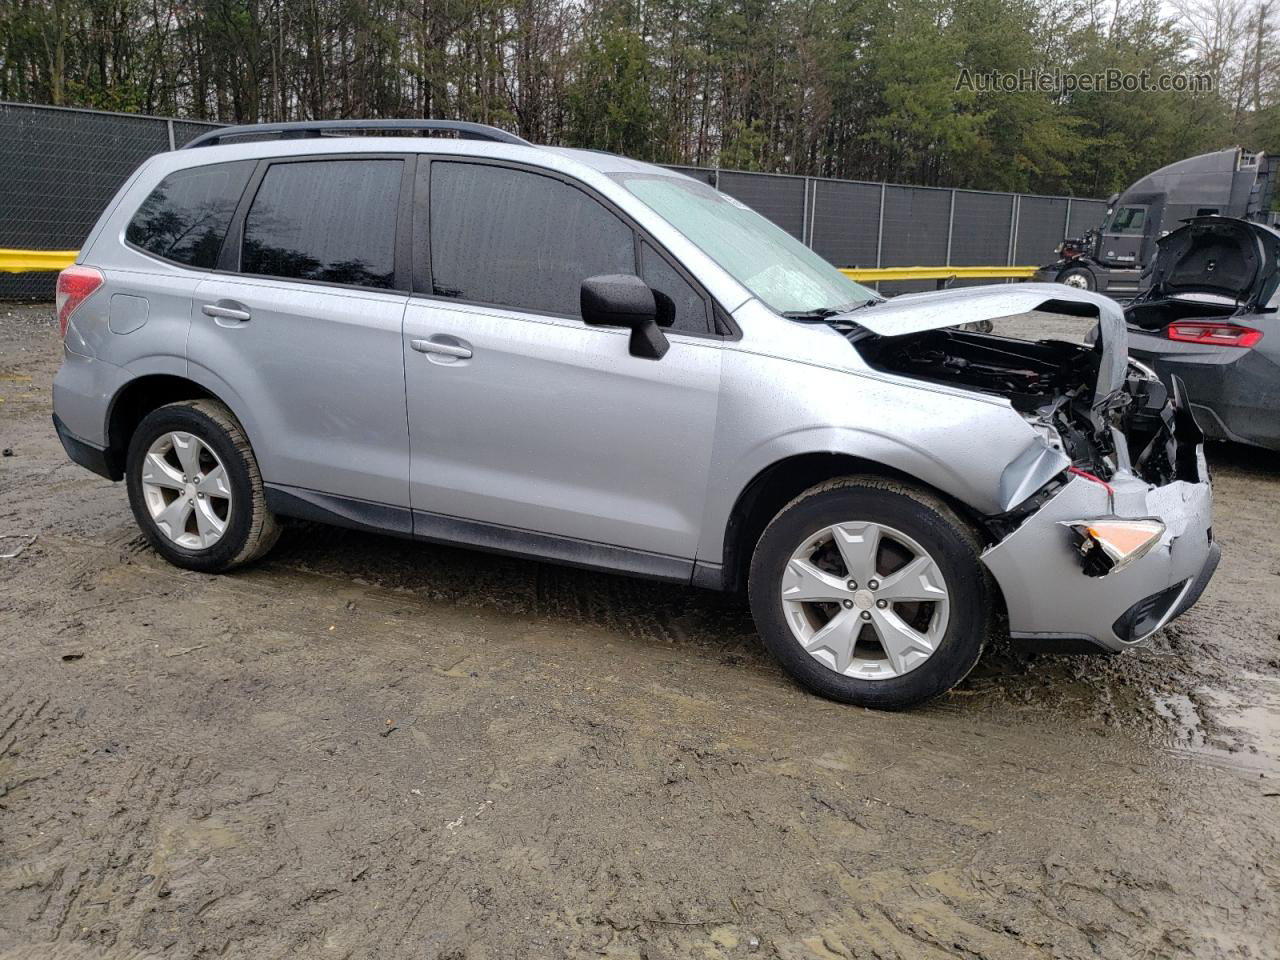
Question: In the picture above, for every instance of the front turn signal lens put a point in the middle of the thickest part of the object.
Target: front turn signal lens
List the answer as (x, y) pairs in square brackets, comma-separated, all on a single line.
[(1109, 545)]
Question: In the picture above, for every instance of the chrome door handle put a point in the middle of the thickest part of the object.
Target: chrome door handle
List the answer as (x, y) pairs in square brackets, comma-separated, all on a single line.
[(224, 313), (444, 349)]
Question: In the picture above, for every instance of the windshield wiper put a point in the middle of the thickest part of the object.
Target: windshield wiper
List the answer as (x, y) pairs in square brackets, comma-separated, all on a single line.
[(823, 314)]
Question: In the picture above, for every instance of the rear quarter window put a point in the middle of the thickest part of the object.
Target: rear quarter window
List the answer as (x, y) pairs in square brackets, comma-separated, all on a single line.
[(185, 218)]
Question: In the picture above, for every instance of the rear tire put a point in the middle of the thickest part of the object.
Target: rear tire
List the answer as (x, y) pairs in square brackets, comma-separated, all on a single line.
[(903, 651), (173, 451)]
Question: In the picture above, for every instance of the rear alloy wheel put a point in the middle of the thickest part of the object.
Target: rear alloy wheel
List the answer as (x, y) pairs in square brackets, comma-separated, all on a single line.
[(871, 592), (195, 487), (186, 490)]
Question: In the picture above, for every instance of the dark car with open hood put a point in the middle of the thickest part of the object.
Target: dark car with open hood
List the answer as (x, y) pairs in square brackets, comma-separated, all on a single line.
[(1211, 317)]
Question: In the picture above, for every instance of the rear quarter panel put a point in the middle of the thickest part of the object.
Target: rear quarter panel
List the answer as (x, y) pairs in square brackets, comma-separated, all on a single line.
[(136, 315), (141, 315)]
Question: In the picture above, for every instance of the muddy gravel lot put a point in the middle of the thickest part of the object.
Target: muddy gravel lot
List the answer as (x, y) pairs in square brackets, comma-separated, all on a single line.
[(363, 747)]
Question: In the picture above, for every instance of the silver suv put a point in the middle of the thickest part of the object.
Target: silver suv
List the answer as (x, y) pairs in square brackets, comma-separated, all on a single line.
[(577, 357)]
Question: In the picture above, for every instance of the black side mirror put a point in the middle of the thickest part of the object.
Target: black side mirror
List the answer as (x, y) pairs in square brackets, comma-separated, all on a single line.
[(622, 300)]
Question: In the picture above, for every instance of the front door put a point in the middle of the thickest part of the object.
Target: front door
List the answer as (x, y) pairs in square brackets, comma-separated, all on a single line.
[(1122, 235), (520, 416)]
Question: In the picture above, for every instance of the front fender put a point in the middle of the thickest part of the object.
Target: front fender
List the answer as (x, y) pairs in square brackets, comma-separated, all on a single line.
[(773, 409)]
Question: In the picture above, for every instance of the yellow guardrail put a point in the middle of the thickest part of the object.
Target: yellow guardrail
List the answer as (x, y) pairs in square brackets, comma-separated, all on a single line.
[(26, 261), (880, 274)]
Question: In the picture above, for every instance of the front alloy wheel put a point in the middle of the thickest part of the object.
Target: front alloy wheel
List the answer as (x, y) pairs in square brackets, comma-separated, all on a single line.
[(871, 591), (865, 600)]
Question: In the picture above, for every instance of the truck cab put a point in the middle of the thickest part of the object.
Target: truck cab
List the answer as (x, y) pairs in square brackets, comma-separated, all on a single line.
[(1113, 257)]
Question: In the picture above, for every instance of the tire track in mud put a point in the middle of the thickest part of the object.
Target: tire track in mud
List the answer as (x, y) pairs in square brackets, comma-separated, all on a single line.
[(647, 611), (114, 829), (23, 776), (18, 733), (109, 856), (77, 951), (15, 710), (425, 892)]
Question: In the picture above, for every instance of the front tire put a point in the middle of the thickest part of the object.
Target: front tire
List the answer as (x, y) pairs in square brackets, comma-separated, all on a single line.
[(1080, 278), (195, 488), (871, 592)]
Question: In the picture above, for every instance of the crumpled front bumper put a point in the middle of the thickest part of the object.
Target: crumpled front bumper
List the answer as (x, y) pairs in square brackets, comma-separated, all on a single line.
[(1053, 604)]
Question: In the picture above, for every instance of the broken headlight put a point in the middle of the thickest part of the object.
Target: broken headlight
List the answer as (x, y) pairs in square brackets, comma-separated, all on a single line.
[(1108, 545)]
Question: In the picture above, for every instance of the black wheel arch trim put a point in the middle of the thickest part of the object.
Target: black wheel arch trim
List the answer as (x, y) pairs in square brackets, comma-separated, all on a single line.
[(758, 501), (204, 384)]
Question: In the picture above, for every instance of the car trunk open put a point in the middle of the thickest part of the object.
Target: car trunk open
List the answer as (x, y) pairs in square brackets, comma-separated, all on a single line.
[(1210, 269)]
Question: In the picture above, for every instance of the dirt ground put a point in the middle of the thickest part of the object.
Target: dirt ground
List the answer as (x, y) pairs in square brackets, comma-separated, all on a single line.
[(368, 748)]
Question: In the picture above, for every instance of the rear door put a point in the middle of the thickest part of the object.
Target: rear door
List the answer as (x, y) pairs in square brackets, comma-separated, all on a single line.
[(522, 417), (302, 323)]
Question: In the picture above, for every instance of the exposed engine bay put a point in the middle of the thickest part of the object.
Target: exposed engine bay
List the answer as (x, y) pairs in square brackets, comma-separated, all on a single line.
[(1052, 384)]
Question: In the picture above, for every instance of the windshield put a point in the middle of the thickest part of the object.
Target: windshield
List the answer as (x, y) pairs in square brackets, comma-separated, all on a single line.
[(764, 258)]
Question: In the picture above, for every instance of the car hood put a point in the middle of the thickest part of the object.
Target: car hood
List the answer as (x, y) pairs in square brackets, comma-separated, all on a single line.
[(918, 312), (1220, 256)]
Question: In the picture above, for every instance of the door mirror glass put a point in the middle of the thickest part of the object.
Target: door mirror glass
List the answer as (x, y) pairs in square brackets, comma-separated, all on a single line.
[(623, 300)]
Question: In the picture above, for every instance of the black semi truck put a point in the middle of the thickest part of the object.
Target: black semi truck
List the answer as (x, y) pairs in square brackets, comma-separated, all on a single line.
[(1112, 257)]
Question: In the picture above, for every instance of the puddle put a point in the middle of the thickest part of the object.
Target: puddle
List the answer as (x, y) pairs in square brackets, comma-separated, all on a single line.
[(1181, 713), (1237, 728)]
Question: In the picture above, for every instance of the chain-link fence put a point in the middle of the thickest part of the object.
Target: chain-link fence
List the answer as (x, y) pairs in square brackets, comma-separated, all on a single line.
[(861, 224), (63, 165), (61, 168)]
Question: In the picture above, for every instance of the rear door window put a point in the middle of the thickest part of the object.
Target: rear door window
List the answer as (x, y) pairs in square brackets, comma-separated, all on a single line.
[(518, 239), (327, 220), (185, 218)]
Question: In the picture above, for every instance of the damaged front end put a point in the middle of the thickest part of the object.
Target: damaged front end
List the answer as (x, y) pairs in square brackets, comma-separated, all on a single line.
[(1102, 417), (1106, 535)]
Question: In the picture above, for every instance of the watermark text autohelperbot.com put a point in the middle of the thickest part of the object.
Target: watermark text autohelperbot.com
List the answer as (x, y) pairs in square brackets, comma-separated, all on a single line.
[(1104, 81)]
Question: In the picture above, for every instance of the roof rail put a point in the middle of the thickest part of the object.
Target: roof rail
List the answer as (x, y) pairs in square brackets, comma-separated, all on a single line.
[(319, 128)]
